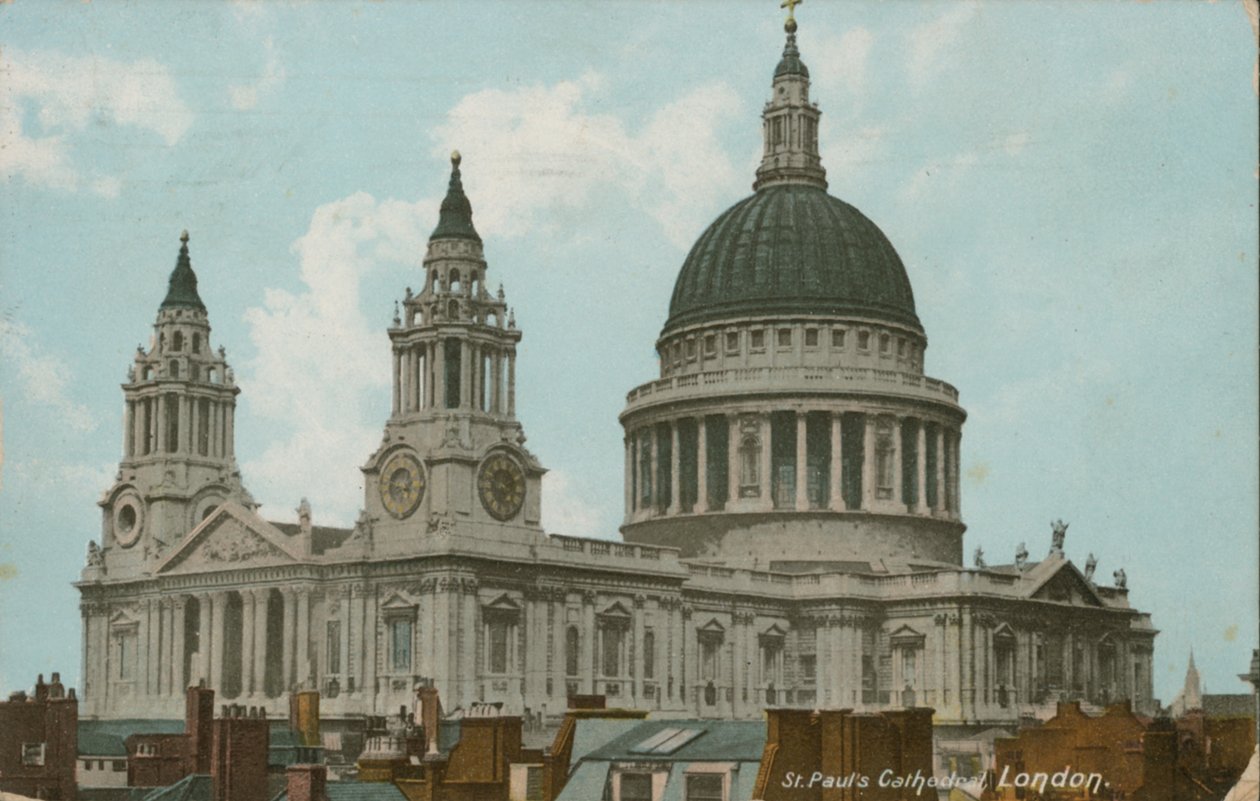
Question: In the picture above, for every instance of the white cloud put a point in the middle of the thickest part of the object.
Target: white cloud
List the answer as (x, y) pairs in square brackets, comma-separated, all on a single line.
[(321, 362), (565, 511), (42, 380), (246, 96), (840, 63), (543, 150), (931, 44), (63, 95)]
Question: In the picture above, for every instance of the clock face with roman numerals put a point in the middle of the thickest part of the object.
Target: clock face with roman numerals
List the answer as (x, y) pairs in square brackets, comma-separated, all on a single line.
[(501, 486), (402, 485)]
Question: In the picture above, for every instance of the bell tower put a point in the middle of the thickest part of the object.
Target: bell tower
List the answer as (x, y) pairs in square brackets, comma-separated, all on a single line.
[(790, 123), (178, 459), (452, 458)]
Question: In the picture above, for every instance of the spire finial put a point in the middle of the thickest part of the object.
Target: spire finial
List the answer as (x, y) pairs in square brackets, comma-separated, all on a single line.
[(455, 158), (790, 5), (182, 286), (183, 237), (455, 217)]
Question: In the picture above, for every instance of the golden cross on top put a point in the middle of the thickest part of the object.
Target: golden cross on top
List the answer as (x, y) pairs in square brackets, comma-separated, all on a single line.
[(791, 5)]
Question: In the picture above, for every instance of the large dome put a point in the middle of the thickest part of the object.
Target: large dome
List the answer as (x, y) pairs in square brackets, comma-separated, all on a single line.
[(792, 249)]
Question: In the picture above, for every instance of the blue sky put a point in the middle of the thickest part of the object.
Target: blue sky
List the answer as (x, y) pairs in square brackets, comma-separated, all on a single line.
[(1072, 187)]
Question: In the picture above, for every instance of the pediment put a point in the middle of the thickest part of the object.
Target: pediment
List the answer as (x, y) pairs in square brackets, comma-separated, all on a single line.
[(774, 632), (712, 627), (397, 600), (504, 603), (123, 619), (1066, 585), (230, 538), (616, 610), (907, 636)]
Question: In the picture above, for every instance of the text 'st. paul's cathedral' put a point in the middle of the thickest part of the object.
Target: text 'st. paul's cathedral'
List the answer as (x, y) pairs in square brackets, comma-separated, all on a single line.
[(792, 531)]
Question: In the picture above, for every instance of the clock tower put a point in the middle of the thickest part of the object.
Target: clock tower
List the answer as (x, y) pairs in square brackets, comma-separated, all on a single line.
[(452, 459)]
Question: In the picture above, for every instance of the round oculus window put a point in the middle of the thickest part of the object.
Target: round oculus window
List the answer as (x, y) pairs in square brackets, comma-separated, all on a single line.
[(128, 520)]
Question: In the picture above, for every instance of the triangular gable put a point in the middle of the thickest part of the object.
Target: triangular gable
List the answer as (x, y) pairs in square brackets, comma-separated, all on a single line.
[(397, 601), (122, 619), (1004, 631), (774, 631), (712, 627), (1062, 582), (616, 610), (906, 636), (504, 604), (230, 538)]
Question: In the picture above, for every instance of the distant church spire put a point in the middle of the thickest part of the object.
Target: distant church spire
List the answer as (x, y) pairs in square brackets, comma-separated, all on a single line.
[(790, 121)]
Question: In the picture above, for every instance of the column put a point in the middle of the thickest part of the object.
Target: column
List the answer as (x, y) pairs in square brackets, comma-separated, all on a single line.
[(898, 454), (367, 649), (493, 389), (802, 461), (143, 648), (868, 462), (139, 423), (159, 425), (654, 445), (129, 430), (350, 612), (177, 682), (920, 501), (966, 658), (439, 374), (247, 642), (558, 678), (161, 683), (586, 670), (638, 663), (732, 461), (938, 442), (203, 639), (839, 677), (261, 600), (689, 676), (835, 480), (443, 675), (396, 406), (675, 468), (465, 375), (767, 439), (286, 669), (955, 453), (702, 467), (182, 437), (675, 672), (303, 637), (737, 666), (469, 669), (229, 445), (511, 387), (629, 474), (218, 606)]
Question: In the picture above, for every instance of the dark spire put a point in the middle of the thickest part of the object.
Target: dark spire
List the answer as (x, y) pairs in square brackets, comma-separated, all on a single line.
[(182, 290), (791, 63), (455, 220)]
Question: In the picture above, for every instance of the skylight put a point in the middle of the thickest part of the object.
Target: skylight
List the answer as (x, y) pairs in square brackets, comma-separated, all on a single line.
[(666, 741)]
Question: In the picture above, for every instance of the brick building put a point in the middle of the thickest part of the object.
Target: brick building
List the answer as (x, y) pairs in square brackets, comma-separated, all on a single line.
[(39, 742)]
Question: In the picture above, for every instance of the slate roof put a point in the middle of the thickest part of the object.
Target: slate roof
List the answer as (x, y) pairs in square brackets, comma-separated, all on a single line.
[(181, 291), (108, 737), (323, 538), (718, 741), (193, 787), (356, 791), (1239, 705)]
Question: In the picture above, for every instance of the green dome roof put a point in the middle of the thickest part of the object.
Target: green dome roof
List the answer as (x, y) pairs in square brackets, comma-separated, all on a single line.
[(791, 249)]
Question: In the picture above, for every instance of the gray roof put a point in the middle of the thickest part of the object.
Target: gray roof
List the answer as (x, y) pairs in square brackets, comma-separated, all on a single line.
[(718, 740), (1240, 705), (108, 737), (357, 791), (193, 787)]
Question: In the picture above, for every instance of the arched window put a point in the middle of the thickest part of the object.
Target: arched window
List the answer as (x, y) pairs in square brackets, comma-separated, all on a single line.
[(750, 463), (649, 654), (196, 343), (173, 369), (454, 280), (178, 340), (645, 471), (571, 658), (884, 458), (212, 375), (148, 374)]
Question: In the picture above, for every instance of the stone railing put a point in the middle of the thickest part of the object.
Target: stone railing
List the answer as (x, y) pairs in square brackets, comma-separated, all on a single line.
[(901, 585), (605, 548), (778, 379)]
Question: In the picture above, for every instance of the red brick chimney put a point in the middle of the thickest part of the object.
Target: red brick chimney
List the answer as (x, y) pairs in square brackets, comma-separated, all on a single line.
[(199, 727), (238, 762), (306, 782)]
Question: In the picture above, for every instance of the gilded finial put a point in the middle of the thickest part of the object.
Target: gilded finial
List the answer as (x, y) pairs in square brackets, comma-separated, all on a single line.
[(455, 157), (183, 237), (790, 5)]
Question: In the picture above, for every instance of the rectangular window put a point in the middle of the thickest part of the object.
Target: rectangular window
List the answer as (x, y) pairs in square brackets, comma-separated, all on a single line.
[(649, 654), (758, 340), (497, 651), (611, 639), (809, 667), (837, 337), (901, 347), (636, 787), (710, 646), (885, 343), (33, 754), (732, 342), (333, 640), (909, 665), (705, 787), (400, 644), (811, 337), (864, 340), (710, 344), (691, 349), (785, 337)]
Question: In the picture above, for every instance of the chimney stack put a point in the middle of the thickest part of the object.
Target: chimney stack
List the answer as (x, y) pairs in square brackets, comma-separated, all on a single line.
[(306, 782)]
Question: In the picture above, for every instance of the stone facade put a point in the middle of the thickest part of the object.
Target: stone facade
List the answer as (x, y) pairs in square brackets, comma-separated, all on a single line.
[(793, 533)]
